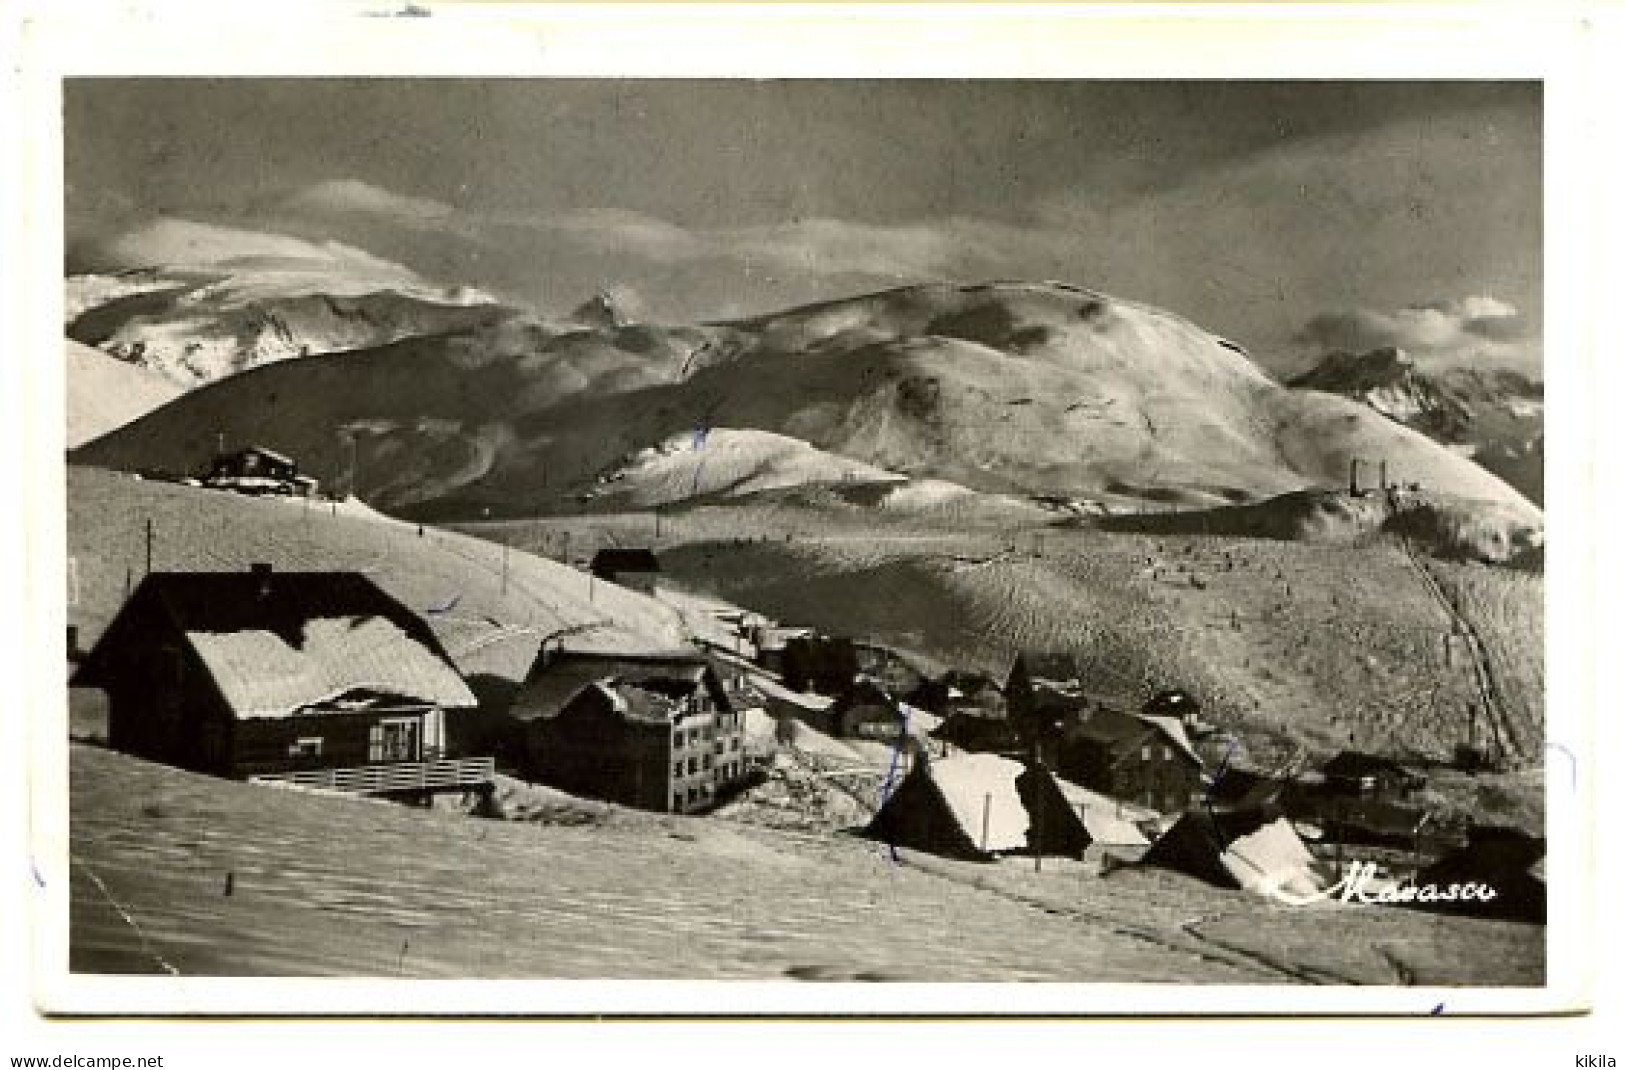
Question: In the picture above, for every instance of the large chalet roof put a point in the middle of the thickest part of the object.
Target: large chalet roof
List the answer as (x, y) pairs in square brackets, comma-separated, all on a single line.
[(263, 674), (558, 676), (275, 642), (263, 451), (1114, 730)]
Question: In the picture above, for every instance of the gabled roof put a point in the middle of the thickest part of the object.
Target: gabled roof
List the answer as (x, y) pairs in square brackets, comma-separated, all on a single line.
[(1174, 729), (1351, 764), (268, 454), (1114, 730), (275, 642), (978, 785), (1252, 849), (263, 674), (634, 703), (558, 676), (280, 458), (1111, 728)]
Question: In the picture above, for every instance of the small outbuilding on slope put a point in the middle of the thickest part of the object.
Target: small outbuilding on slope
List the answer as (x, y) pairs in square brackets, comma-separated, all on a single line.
[(979, 806)]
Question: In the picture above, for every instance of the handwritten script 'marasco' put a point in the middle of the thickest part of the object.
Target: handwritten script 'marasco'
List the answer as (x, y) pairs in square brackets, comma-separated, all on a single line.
[(1360, 885)]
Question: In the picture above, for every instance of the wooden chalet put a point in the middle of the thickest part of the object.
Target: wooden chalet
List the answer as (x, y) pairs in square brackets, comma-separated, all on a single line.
[(314, 678), (1355, 773), (1140, 759), (978, 807), (258, 470), (1043, 689), (821, 664), (655, 730), (867, 711)]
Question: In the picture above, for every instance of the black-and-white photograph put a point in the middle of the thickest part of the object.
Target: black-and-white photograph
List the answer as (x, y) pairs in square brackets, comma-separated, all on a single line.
[(807, 530)]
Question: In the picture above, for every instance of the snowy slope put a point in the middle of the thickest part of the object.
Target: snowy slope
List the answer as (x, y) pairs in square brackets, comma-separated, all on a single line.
[(1012, 389), (105, 393)]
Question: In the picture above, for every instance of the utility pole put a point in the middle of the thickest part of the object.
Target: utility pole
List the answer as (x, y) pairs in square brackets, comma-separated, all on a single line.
[(355, 466), (504, 566), (1038, 838), (1354, 476), (987, 812), (149, 545)]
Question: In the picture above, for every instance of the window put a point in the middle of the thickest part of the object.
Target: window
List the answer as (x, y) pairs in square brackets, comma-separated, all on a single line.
[(693, 765), (706, 761), (306, 747), (677, 769), (1145, 753), (1167, 754), (393, 740), (677, 801), (733, 744)]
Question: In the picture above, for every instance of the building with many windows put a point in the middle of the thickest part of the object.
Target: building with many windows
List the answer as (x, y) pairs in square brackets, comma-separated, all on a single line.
[(656, 730)]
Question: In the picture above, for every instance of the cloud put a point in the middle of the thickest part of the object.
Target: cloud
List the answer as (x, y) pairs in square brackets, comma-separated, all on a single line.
[(184, 244), (820, 246), (1478, 328), (266, 263), (349, 196)]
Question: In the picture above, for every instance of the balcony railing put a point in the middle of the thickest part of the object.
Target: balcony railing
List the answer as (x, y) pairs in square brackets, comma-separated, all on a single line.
[(445, 774)]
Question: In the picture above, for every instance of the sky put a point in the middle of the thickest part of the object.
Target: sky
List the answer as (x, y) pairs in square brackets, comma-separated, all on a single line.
[(1294, 218)]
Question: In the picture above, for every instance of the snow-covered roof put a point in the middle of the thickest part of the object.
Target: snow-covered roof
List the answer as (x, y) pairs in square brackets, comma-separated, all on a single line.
[(1174, 729), (980, 787), (773, 689), (262, 674), (1271, 856)]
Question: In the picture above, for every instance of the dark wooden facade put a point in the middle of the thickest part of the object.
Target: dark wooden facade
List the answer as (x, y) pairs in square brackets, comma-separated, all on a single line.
[(820, 664), (255, 469), (867, 711), (166, 703), (1124, 757), (1042, 690)]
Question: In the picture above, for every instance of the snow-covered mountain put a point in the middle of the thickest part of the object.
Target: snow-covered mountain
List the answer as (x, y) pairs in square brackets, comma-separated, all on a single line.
[(1038, 389), (1494, 415)]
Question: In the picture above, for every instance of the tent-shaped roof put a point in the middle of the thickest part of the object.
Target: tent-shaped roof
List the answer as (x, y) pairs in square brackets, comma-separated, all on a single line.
[(979, 805), (980, 790), (1107, 821), (1255, 849)]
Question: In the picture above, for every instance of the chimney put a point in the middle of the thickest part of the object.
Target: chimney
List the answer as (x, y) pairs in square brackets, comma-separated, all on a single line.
[(261, 571)]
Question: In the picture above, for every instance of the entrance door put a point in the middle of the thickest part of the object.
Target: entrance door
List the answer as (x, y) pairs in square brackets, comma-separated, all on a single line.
[(398, 739)]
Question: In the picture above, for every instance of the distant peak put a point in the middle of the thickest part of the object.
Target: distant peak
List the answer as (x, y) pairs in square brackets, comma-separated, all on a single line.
[(601, 310)]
